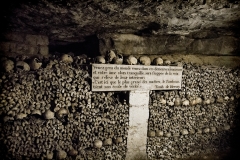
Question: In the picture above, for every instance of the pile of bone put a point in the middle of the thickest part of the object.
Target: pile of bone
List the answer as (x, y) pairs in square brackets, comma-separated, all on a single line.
[(24, 63), (113, 57), (197, 120), (50, 112)]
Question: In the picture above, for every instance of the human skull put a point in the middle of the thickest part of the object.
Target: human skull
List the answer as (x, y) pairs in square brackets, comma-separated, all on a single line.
[(35, 64), (66, 58), (61, 112), (145, 60), (97, 143), (158, 61), (118, 59), (110, 56), (21, 65), (131, 60), (167, 62), (100, 60), (8, 65), (48, 114)]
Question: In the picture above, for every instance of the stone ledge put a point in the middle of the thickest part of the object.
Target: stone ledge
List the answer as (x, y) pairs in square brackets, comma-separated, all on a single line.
[(206, 44), (21, 48), (26, 38), (224, 45), (36, 39), (227, 61)]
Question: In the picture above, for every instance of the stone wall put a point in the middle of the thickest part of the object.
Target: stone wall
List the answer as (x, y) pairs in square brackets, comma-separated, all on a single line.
[(204, 42), (16, 43)]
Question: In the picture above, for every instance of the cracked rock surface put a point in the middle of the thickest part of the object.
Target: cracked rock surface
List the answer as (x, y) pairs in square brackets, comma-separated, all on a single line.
[(73, 20)]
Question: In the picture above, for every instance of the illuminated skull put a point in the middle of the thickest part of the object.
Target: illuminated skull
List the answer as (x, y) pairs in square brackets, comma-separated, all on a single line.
[(167, 62), (145, 60), (21, 65), (100, 60), (35, 64), (8, 65), (158, 61), (131, 60), (66, 58), (118, 59), (110, 56)]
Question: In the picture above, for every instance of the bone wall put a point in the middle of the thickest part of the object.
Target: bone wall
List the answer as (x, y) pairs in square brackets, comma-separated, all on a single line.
[(51, 113), (200, 121)]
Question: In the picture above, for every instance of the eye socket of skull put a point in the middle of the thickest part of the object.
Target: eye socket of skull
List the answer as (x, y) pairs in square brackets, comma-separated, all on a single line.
[(37, 60), (20, 67)]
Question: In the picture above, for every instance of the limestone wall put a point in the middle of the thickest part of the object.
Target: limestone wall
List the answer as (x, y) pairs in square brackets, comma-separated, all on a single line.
[(195, 43), (16, 43)]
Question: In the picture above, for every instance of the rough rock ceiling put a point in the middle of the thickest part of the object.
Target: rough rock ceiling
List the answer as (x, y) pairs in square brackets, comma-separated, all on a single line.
[(73, 20)]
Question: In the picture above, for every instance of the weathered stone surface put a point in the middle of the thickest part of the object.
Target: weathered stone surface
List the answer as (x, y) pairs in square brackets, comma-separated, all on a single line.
[(72, 21), (224, 45), (227, 61), (21, 43), (25, 49), (43, 50), (4, 46), (36, 39), (128, 44), (205, 34), (31, 50), (18, 48), (14, 36), (26, 38)]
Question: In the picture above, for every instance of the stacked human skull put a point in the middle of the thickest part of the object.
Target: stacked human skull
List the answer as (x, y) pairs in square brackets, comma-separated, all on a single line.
[(50, 112), (201, 115)]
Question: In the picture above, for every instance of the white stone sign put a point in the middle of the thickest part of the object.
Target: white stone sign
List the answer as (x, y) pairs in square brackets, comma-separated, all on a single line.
[(111, 77)]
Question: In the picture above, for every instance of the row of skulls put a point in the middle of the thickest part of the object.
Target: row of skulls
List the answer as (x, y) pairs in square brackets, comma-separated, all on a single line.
[(33, 63), (111, 57), (116, 58)]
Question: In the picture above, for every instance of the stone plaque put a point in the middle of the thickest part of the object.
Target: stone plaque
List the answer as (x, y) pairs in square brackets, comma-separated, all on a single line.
[(111, 77)]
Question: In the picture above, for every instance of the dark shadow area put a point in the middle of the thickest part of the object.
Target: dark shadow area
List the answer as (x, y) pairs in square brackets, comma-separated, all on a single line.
[(235, 138), (7, 10), (3, 147), (90, 47), (151, 27)]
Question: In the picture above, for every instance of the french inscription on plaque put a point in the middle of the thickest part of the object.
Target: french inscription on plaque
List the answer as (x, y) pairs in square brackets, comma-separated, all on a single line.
[(111, 77)]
